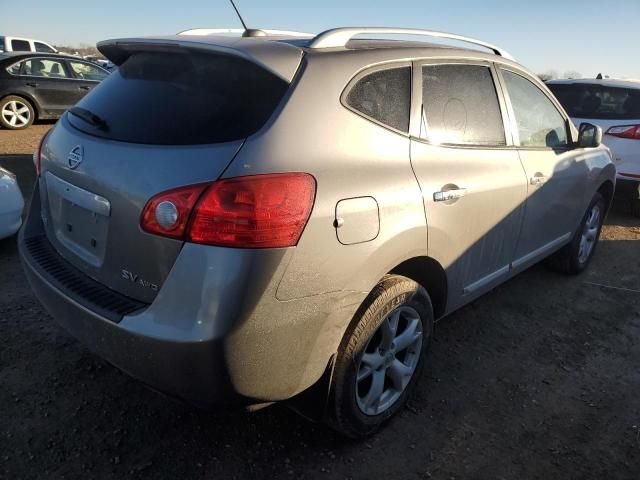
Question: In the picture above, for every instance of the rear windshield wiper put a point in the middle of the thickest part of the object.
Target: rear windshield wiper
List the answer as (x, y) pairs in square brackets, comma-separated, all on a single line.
[(89, 117)]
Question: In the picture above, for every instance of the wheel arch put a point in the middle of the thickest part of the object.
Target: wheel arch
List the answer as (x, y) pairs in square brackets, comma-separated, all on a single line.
[(431, 275), (28, 98)]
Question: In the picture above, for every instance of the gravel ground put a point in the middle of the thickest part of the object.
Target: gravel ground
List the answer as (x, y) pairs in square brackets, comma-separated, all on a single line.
[(538, 379)]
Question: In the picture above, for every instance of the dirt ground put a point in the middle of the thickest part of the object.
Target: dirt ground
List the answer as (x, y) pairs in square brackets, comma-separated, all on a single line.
[(538, 379)]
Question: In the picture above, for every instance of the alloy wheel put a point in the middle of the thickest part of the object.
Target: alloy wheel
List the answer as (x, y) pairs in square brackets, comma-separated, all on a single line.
[(589, 234), (16, 113), (389, 361)]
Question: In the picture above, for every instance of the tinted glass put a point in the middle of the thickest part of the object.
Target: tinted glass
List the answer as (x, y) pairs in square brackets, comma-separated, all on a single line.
[(20, 46), (385, 96), (461, 105), (86, 71), (15, 68), (182, 98), (1, 44), (591, 101), (41, 47), (40, 67), (539, 122)]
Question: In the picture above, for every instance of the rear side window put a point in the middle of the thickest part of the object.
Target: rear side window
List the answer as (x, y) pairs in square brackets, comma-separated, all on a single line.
[(41, 67), (461, 106), (41, 47), (592, 101), (186, 98), (539, 121), (20, 46), (384, 96)]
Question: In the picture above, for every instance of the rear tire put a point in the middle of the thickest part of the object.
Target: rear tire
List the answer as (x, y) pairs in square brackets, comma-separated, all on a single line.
[(16, 113), (573, 258), (393, 328)]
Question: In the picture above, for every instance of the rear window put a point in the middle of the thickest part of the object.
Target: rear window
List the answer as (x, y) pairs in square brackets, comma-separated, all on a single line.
[(182, 99), (594, 101)]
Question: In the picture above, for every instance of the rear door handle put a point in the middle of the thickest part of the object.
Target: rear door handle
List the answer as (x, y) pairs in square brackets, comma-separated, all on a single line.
[(538, 179), (31, 84), (84, 87), (446, 195)]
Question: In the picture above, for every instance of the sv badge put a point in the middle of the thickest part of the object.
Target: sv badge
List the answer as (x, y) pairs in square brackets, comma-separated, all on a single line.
[(134, 278)]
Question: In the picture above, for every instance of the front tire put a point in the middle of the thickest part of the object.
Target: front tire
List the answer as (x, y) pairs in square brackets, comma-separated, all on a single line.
[(16, 113), (575, 257), (381, 356)]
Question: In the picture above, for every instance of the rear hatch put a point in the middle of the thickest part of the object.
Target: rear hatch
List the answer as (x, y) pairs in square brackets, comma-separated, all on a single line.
[(168, 117)]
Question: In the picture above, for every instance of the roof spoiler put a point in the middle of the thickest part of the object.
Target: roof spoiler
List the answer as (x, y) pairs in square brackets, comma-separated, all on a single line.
[(278, 58)]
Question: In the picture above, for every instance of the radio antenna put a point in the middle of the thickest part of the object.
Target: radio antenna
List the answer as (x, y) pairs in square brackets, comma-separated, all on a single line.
[(244, 25)]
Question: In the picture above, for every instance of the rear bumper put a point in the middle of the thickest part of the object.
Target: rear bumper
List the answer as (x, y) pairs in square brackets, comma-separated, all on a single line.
[(192, 371), (215, 334)]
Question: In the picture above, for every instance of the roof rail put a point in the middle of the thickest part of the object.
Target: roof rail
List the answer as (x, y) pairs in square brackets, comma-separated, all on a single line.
[(339, 37), (214, 31)]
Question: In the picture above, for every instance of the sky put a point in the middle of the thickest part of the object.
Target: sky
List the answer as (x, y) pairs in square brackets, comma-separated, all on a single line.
[(587, 36)]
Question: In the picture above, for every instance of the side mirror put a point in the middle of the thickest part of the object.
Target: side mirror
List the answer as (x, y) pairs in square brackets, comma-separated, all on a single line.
[(589, 136)]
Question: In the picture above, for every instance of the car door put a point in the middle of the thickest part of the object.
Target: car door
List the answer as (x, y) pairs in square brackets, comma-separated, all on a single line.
[(86, 76), (556, 174), (47, 81), (473, 183)]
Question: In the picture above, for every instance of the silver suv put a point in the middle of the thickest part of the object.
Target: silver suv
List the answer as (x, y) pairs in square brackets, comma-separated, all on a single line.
[(281, 217)]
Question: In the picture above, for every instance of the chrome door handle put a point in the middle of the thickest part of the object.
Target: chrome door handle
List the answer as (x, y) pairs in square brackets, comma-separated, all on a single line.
[(447, 195), (538, 179)]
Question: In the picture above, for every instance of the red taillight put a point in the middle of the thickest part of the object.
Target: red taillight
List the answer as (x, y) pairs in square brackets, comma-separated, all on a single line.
[(625, 131), (37, 154), (174, 205), (261, 211)]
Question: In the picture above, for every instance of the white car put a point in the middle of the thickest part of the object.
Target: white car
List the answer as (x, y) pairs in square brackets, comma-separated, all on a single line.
[(613, 105), (18, 44), (11, 204)]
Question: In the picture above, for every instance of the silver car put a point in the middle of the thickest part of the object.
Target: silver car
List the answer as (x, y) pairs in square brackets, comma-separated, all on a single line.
[(282, 217)]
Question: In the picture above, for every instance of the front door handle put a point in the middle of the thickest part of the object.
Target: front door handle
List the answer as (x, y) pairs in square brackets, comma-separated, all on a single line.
[(538, 179), (447, 195)]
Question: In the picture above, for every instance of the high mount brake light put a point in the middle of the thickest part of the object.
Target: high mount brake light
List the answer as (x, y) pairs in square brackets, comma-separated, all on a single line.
[(260, 211)]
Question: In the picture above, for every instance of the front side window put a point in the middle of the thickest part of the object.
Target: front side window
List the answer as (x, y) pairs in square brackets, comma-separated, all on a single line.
[(40, 67), (41, 47), (20, 46), (385, 96), (538, 120), (86, 71), (460, 106)]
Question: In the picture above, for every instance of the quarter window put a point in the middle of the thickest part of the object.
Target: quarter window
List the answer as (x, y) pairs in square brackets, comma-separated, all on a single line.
[(40, 67), (539, 121), (41, 47), (15, 68), (20, 46), (86, 71), (385, 96), (460, 106)]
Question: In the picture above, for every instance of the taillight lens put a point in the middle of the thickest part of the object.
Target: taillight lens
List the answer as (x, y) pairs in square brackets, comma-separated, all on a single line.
[(625, 131), (261, 211), (168, 213), (37, 154)]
